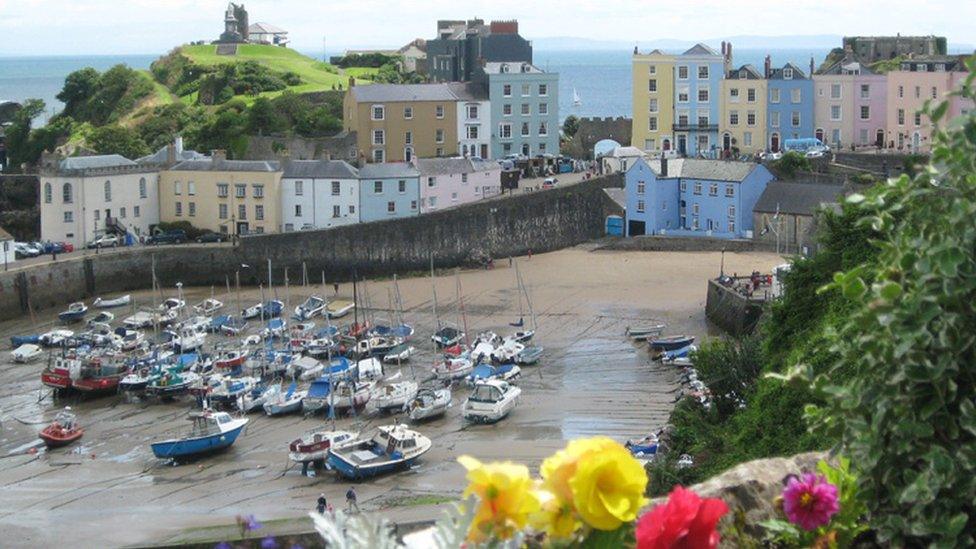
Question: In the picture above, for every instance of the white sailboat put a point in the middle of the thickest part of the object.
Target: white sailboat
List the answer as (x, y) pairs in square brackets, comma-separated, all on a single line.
[(577, 101)]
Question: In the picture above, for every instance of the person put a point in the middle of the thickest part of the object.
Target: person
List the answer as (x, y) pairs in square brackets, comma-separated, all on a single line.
[(54, 254), (351, 500), (335, 288), (322, 504)]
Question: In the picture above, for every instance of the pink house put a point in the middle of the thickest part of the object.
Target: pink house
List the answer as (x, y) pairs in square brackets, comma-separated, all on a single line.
[(849, 105), (917, 82), (448, 182)]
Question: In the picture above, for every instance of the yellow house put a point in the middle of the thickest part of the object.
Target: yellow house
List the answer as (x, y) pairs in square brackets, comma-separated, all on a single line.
[(224, 196), (743, 125), (653, 76), (400, 122)]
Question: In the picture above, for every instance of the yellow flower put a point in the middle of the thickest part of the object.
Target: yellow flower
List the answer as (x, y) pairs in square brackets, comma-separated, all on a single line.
[(604, 483), (556, 517), (507, 497)]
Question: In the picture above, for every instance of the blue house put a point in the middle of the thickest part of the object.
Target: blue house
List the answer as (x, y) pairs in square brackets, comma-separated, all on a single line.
[(524, 108), (388, 191), (789, 105), (698, 75), (693, 197)]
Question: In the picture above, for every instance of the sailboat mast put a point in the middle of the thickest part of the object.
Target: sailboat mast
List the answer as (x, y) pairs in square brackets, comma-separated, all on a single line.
[(433, 289), (528, 301), (464, 317)]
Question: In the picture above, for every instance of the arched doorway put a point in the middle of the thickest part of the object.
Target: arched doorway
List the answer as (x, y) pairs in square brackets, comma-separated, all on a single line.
[(666, 145), (726, 141), (774, 142), (819, 134), (879, 138)]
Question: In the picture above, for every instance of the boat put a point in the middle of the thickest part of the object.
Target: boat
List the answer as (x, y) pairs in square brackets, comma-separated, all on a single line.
[(211, 431), (429, 403), (171, 304), (507, 351), (55, 337), (208, 307), (254, 399), (338, 308), (683, 352), (234, 325), (26, 353), (62, 431), (253, 311), (491, 401), (376, 345), (75, 312), (17, 341), (101, 303), (393, 397), (189, 338), (271, 309), (350, 395), (229, 359), (643, 332), (391, 447), (217, 323), (129, 339), (57, 374), (322, 346), (643, 447), (317, 396), (453, 368), (521, 336), (103, 317), (447, 336), (275, 328), (139, 379), (529, 355), (369, 369), (403, 331), (577, 100), (312, 307), (316, 444), (504, 372), (229, 389), (140, 319), (171, 384), (288, 402), (670, 343), (399, 353), (482, 350), (99, 374)]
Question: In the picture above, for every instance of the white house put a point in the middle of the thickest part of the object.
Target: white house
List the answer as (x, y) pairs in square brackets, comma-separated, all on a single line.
[(317, 194), (620, 159), (473, 120), (7, 252), (84, 196), (448, 182), (266, 33)]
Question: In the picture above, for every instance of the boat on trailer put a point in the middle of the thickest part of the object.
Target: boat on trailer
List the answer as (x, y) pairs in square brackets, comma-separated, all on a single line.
[(391, 448), (211, 431)]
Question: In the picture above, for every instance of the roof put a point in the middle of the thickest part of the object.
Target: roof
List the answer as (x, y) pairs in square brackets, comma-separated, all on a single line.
[(418, 43), (159, 157), (4, 235), (715, 170), (319, 168), (445, 166), (798, 73), (265, 28), (387, 170), (466, 91), (94, 162), (617, 195), (626, 152), (700, 49), (751, 73), (381, 93), (796, 198), (210, 165), (513, 67)]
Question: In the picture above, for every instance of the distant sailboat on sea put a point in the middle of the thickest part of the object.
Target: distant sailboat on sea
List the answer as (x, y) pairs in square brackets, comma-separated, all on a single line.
[(577, 101)]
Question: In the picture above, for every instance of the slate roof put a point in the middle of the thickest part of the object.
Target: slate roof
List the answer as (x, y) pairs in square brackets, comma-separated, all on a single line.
[(387, 170), (798, 73), (338, 169), (444, 166), (714, 170), (95, 162), (514, 67), (383, 93), (159, 157), (751, 72), (700, 49), (796, 198), (265, 28), (209, 165), (618, 195), (466, 91)]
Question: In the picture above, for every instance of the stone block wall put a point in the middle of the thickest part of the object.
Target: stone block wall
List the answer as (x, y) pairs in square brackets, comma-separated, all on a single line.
[(731, 311)]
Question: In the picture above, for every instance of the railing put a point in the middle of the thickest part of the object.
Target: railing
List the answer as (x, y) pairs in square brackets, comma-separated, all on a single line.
[(693, 127)]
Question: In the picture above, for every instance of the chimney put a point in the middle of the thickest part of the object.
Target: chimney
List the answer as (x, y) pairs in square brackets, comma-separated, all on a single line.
[(218, 155), (635, 49), (170, 154), (664, 166), (768, 66), (284, 159), (811, 66), (178, 143)]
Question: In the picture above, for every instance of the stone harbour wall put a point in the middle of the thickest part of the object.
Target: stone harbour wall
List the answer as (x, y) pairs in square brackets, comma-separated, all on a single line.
[(732, 311)]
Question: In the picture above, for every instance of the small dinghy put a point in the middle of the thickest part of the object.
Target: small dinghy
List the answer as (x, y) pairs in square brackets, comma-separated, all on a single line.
[(522, 336), (683, 352), (529, 355), (447, 336), (103, 317), (398, 354), (391, 448), (102, 303), (172, 304), (644, 332), (63, 431), (211, 432), (17, 341), (74, 313), (288, 402), (316, 444), (141, 319), (338, 308), (670, 343), (208, 307), (429, 404), (26, 353), (393, 397), (312, 307), (230, 359), (642, 447), (453, 368), (491, 401)]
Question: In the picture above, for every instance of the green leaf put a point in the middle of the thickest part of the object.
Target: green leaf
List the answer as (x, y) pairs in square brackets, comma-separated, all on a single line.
[(891, 291), (855, 198)]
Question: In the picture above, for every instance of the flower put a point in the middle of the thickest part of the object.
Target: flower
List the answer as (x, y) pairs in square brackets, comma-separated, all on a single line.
[(685, 520), (269, 543), (507, 498), (555, 517), (810, 501), (600, 479), (251, 523)]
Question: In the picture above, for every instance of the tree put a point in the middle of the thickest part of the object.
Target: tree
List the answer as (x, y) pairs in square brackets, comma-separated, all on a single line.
[(79, 87), (264, 118), (570, 126), (118, 140), (18, 134)]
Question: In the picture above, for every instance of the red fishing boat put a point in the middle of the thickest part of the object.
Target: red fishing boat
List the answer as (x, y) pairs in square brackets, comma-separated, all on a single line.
[(57, 375), (63, 431), (99, 374), (230, 359)]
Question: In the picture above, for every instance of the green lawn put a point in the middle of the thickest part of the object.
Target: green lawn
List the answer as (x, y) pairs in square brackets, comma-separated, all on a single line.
[(362, 72), (163, 95)]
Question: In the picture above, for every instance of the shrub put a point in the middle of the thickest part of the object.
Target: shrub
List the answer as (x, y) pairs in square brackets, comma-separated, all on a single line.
[(791, 163)]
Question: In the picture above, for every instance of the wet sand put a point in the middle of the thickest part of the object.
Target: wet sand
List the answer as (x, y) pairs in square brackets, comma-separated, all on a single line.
[(109, 490)]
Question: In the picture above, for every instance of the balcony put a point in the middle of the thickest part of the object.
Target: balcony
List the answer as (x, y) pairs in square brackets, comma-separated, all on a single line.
[(695, 127)]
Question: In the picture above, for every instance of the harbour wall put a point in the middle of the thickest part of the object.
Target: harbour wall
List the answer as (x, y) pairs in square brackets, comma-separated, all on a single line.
[(733, 312), (507, 226)]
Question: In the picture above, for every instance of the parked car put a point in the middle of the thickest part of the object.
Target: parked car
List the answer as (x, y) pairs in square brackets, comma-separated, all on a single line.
[(105, 241), (169, 237), (549, 182), (67, 247), (211, 237), (24, 249)]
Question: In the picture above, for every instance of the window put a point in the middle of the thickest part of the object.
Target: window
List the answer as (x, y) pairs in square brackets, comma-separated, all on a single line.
[(413, 205), (731, 225), (391, 207), (695, 208), (192, 208), (464, 178), (108, 191), (543, 90), (431, 182), (703, 95), (258, 191), (240, 191), (379, 155), (142, 187), (222, 211), (299, 188), (507, 109), (177, 187), (935, 92), (865, 91), (352, 209), (526, 109), (731, 212), (774, 119), (472, 112), (918, 92), (863, 134), (730, 190), (48, 194), (407, 115), (652, 124), (507, 90), (542, 147), (683, 95), (901, 91), (259, 212), (796, 95), (379, 137), (543, 108), (289, 227), (543, 129), (379, 112), (439, 136), (69, 217), (835, 136), (795, 119), (641, 187), (835, 91), (698, 189), (222, 189), (751, 95), (751, 118), (525, 90), (747, 139), (734, 95), (918, 119), (98, 215), (402, 186), (408, 138), (336, 211), (179, 209), (664, 205), (713, 189), (136, 212), (652, 85), (453, 197), (258, 230), (377, 187), (865, 112), (505, 131), (703, 72), (683, 119), (774, 95), (432, 201), (652, 106), (640, 206), (788, 73), (901, 117), (336, 188), (733, 118), (684, 186), (525, 129), (298, 210), (191, 188), (835, 112), (703, 119), (652, 69), (683, 72)]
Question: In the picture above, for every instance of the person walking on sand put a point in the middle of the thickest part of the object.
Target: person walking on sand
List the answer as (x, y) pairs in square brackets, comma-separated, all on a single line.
[(322, 504), (351, 500), (335, 288)]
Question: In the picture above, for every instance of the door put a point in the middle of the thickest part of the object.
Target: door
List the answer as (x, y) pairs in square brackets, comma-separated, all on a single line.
[(774, 142), (682, 144), (879, 139), (726, 142), (484, 151), (666, 145), (242, 227), (635, 228), (916, 141), (819, 134)]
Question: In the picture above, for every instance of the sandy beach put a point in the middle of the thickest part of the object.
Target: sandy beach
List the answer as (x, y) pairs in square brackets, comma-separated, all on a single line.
[(109, 490)]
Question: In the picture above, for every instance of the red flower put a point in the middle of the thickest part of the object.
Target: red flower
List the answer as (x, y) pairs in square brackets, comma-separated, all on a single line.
[(685, 521)]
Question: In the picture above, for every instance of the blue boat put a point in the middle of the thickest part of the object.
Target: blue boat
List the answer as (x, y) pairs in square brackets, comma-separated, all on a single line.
[(211, 432), (671, 343), (391, 448), (17, 341), (643, 447), (504, 372), (75, 312), (678, 353), (218, 322), (272, 309)]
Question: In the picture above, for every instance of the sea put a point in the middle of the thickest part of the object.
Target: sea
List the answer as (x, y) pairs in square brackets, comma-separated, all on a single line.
[(600, 77)]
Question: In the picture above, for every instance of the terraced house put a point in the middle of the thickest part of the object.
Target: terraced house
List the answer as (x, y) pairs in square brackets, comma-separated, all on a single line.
[(318, 194), (743, 125), (917, 81), (524, 108), (849, 98), (653, 96), (698, 74), (789, 104)]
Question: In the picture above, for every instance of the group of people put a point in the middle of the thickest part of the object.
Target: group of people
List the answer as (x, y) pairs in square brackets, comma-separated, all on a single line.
[(322, 505)]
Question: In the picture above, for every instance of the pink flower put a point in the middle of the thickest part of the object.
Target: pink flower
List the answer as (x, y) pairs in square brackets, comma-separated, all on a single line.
[(810, 501), (684, 521)]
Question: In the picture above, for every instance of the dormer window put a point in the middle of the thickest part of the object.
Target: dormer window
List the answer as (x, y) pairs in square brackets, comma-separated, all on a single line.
[(940, 67), (906, 66), (743, 74), (504, 68), (921, 67), (788, 73)]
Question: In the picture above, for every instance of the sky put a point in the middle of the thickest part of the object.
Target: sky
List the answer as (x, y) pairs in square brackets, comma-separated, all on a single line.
[(88, 27)]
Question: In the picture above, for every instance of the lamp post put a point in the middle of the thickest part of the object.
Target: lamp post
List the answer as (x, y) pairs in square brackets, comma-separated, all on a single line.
[(721, 269)]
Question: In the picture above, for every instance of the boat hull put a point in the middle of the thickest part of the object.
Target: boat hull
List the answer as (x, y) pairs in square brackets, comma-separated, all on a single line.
[(56, 380), (185, 448), (357, 472), (57, 440)]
